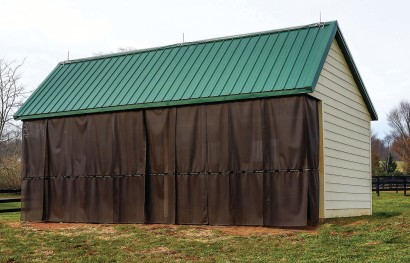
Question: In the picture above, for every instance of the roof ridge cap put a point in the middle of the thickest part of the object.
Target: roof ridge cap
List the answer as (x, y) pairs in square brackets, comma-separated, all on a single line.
[(118, 54)]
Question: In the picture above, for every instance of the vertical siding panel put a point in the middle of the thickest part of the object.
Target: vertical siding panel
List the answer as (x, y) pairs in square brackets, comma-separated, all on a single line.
[(346, 132)]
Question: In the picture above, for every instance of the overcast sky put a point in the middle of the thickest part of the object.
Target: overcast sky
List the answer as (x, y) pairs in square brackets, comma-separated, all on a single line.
[(43, 31)]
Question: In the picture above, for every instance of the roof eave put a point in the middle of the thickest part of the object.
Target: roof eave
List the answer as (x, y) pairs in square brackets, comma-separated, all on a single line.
[(259, 95)]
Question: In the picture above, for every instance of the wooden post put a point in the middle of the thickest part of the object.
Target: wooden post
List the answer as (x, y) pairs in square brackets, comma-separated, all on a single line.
[(377, 186), (405, 185)]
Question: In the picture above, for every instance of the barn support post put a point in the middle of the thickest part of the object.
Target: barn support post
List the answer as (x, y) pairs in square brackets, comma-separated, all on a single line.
[(370, 168), (321, 164)]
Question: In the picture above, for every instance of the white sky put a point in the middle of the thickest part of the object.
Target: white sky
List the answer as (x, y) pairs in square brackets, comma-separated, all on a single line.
[(42, 31)]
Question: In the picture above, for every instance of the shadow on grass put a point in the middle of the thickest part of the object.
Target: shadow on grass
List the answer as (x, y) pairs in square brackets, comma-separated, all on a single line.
[(342, 221), (385, 214)]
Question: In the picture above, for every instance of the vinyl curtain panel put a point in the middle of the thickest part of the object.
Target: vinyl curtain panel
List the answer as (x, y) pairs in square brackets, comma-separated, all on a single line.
[(249, 162)]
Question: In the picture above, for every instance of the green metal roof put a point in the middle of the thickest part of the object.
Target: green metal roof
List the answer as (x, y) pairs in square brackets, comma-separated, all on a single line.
[(264, 64)]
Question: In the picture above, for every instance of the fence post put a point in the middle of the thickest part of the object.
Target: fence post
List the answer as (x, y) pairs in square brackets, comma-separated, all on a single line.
[(405, 185), (377, 187)]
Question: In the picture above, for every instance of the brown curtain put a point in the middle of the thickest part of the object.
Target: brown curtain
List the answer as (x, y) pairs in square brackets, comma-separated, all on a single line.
[(34, 164), (191, 180), (160, 188), (286, 159), (75, 162), (249, 162), (312, 138), (219, 203), (246, 162)]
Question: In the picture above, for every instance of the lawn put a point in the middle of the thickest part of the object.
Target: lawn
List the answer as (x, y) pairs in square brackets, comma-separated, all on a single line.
[(383, 237)]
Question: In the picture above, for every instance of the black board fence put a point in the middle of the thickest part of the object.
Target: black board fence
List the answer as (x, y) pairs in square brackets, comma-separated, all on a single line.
[(391, 183), (10, 200)]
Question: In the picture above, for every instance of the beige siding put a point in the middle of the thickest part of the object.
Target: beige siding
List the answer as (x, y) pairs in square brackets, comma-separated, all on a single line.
[(346, 187)]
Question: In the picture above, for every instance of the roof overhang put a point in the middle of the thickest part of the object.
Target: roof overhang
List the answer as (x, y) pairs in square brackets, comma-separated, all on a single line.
[(238, 97), (356, 76)]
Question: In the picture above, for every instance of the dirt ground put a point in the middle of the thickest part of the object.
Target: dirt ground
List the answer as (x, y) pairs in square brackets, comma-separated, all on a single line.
[(203, 229)]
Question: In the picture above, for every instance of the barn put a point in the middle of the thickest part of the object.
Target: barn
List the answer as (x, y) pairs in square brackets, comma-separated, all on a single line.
[(269, 128)]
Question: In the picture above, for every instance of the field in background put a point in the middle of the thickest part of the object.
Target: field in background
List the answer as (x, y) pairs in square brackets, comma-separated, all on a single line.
[(383, 237)]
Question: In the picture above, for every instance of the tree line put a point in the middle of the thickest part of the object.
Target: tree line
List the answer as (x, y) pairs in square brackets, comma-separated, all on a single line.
[(395, 146)]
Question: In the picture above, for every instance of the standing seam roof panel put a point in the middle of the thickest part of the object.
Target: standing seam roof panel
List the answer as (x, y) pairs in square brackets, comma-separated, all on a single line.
[(303, 55), (219, 69), (77, 92), (226, 84), (251, 60), (280, 63), (316, 57), (176, 73), (270, 63), (69, 90), (76, 86), (152, 75), (130, 84), (186, 72), (95, 86), (208, 62), (156, 85), (126, 78), (288, 71), (108, 88), (263, 57), (213, 68), (179, 57), (184, 89), (145, 76), (100, 68), (179, 72), (142, 76), (59, 89), (229, 68), (48, 90), (41, 89), (113, 90)]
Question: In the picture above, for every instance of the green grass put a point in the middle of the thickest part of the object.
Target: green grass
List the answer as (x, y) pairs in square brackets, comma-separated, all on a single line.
[(382, 237)]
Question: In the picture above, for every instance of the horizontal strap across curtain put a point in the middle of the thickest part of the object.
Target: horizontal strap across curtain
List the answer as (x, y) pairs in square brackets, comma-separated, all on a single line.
[(178, 173)]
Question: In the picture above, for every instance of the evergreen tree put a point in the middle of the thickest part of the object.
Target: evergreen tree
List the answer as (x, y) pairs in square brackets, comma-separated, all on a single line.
[(389, 165)]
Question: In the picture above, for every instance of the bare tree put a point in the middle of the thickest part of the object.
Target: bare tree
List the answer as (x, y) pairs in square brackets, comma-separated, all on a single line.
[(126, 49), (380, 151), (11, 95), (399, 136), (375, 142), (119, 50)]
